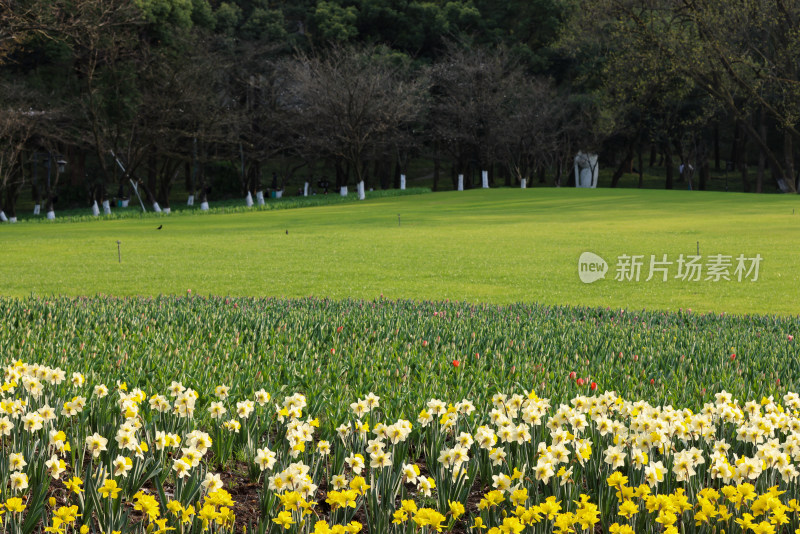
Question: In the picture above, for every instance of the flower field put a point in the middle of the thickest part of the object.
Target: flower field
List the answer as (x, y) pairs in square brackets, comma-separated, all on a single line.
[(197, 414)]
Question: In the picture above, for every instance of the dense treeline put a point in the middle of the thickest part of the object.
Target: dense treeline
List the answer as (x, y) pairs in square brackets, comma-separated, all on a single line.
[(100, 96)]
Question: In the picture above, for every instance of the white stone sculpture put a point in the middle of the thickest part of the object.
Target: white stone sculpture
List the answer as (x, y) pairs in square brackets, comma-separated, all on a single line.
[(586, 170)]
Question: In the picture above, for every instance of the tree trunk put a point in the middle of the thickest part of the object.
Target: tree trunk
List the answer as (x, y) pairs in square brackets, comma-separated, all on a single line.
[(741, 156), (152, 176), (653, 154), (641, 165), (253, 184), (668, 164), (741, 161), (339, 174), (396, 174), (436, 169), (169, 174), (716, 146), (149, 198), (788, 154), (11, 195), (737, 130), (782, 178), (704, 174), (36, 193), (187, 177), (762, 160), (626, 163)]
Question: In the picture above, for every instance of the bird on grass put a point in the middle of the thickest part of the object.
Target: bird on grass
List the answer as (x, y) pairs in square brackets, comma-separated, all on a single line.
[(160, 226), (287, 232)]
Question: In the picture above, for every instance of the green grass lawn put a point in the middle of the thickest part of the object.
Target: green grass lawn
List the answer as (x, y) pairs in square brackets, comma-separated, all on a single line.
[(497, 246)]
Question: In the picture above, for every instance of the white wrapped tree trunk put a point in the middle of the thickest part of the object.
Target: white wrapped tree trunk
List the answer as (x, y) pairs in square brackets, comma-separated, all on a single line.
[(3, 217), (51, 215), (485, 179), (260, 198), (156, 207), (523, 184), (12, 220), (460, 182), (190, 200), (402, 181), (106, 207), (167, 211), (343, 191), (95, 209), (37, 209), (248, 200), (125, 203), (204, 206), (361, 195), (279, 193), (305, 189)]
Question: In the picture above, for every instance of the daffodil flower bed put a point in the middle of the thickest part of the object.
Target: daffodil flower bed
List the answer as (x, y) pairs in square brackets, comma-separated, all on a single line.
[(82, 457)]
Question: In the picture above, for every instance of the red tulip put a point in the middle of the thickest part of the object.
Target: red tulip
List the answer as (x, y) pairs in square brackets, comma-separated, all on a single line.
[(339, 329), (733, 357), (424, 343), (456, 363), (580, 381), (573, 375), (333, 351), (593, 386), (652, 381), (790, 337)]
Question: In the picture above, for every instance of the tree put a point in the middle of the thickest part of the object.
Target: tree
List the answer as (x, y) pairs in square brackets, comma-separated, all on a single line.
[(352, 104), (742, 54), (17, 127), (472, 89), (536, 120)]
